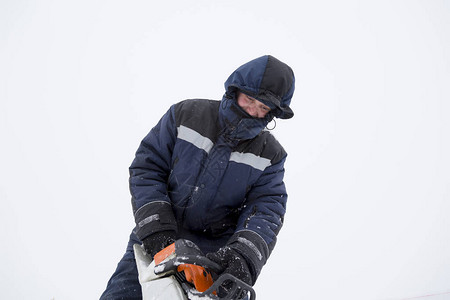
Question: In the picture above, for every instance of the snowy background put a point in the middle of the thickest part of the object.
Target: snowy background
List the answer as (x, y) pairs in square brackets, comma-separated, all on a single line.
[(368, 173)]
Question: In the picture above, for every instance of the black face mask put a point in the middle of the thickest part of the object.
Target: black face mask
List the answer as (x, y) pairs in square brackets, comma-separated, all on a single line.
[(239, 124)]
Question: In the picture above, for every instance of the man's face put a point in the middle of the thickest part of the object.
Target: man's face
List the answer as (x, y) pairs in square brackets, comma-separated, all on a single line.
[(252, 106)]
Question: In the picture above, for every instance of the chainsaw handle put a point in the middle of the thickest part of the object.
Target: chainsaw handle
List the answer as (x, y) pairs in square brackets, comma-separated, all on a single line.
[(198, 260), (238, 288), (185, 252)]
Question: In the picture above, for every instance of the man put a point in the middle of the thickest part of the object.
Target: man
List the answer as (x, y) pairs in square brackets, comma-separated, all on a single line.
[(207, 172)]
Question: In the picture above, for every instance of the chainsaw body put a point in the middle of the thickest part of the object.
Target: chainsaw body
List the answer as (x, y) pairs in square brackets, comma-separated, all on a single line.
[(182, 272)]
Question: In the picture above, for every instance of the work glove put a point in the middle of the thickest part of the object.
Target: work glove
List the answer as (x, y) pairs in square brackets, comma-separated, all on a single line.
[(158, 241), (232, 262)]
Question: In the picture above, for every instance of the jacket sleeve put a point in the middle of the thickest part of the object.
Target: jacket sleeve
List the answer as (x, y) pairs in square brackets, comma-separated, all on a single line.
[(149, 173), (262, 218)]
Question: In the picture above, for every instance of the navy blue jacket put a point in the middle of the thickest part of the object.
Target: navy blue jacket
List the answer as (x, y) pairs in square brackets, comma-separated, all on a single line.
[(211, 173)]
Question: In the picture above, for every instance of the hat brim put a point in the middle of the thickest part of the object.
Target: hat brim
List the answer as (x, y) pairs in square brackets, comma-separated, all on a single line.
[(278, 111), (281, 112)]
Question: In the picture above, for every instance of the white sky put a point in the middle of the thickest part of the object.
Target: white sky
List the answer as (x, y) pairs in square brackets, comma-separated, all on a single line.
[(82, 82)]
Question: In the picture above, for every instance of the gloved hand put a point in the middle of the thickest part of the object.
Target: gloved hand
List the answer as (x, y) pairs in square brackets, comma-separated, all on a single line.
[(158, 241), (232, 262)]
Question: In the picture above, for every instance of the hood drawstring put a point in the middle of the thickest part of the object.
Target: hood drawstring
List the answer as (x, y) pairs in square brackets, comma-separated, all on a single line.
[(274, 124)]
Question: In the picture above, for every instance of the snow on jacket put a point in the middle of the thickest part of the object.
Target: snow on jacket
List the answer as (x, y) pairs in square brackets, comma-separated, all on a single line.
[(210, 172)]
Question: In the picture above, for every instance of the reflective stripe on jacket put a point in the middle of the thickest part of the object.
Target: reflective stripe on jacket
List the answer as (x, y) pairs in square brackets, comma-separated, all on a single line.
[(214, 186)]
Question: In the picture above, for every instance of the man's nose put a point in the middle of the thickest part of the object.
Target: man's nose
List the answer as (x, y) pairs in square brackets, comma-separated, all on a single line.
[(252, 111)]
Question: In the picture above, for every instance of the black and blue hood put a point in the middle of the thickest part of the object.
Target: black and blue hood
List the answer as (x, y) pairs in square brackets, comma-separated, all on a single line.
[(268, 80)]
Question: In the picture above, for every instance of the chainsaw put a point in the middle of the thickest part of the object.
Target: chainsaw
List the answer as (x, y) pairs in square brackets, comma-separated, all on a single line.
[(181, 272)]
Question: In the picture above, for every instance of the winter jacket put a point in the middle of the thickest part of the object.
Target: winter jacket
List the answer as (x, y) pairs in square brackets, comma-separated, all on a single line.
[(211, 173)]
